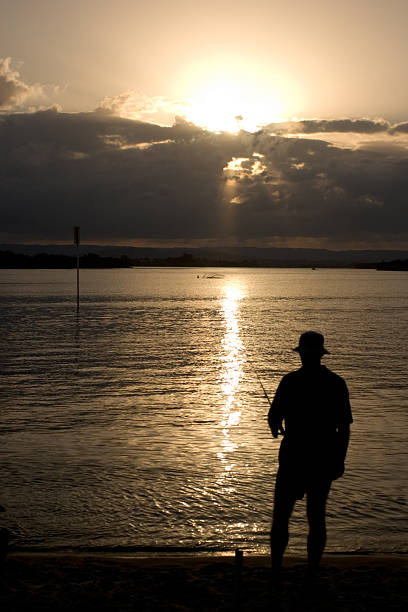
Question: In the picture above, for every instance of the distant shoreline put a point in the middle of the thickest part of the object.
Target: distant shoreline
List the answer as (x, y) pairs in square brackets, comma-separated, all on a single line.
[(21, 261)]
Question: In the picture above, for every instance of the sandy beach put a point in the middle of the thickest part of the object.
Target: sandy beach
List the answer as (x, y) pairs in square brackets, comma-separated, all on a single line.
[(67, 581)]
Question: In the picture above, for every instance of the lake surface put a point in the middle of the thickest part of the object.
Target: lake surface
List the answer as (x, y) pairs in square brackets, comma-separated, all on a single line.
[(141, 422)]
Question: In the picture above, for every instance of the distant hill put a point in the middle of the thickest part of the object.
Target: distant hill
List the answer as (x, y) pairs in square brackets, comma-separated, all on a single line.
[(397, 265), (254, 256)]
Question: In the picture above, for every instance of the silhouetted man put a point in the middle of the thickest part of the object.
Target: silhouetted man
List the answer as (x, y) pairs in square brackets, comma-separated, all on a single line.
[(311, 409)]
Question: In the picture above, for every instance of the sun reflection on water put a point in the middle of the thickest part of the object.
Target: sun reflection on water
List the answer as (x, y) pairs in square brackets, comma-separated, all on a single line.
[(232, 359)]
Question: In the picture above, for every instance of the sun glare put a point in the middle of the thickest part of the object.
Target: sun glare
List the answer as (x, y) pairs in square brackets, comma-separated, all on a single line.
[(223, 106)]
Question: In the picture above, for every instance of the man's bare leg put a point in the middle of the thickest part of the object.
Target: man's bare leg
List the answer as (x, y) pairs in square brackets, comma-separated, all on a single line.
[(316, 514), (282, 511)]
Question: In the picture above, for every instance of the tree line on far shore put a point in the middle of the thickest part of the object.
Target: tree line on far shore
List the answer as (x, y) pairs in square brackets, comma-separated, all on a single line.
[(8, 259), (11, 260)]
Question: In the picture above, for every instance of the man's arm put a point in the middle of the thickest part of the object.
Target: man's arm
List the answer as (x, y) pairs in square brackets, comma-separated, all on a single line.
[(343, 437), (276, 426), (275, 415)]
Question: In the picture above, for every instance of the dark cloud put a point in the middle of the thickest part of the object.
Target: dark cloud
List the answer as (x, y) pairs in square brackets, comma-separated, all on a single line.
[(13, 92), (315, 126), (123, 180), (318, 189), (400, 127)]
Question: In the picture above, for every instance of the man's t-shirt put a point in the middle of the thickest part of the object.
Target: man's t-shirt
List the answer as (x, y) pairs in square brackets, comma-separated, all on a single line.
[(313, 403)]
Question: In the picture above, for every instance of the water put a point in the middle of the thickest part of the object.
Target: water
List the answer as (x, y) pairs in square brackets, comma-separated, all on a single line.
[(141, 423)]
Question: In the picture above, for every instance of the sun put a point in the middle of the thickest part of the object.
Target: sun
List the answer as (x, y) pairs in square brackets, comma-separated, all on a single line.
[(228, 106)]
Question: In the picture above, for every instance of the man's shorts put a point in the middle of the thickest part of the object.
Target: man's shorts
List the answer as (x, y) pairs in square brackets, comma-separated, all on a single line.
[(293, 484)]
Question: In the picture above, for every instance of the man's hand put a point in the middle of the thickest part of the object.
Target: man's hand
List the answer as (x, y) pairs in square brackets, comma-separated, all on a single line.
[(277, 429), (338, 470)]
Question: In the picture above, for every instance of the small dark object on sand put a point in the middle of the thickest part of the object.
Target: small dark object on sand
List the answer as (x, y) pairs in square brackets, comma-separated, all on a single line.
[(4, 539)]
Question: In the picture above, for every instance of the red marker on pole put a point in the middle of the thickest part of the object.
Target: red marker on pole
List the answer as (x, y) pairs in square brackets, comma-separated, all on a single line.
[(76, 241)]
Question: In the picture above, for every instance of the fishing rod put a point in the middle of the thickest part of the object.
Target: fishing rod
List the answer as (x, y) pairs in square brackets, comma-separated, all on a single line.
[(279, 429), (263, 388), (259, 380)]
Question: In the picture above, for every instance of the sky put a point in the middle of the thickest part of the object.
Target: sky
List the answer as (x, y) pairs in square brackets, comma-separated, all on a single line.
[(268, 123)]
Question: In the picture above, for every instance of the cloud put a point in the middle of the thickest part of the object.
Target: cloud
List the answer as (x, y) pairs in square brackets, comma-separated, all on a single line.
[(13, 91), (314, 126), (126, 180), (132, 105), (400, 127)]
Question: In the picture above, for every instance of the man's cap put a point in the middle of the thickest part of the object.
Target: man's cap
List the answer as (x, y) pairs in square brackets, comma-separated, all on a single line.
[(311, 341)]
